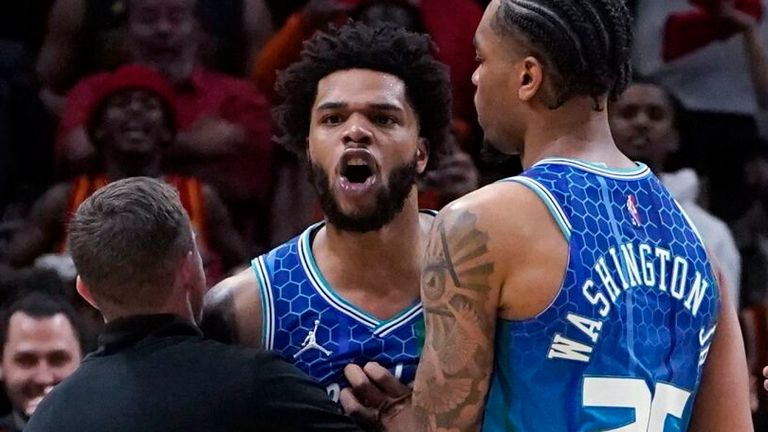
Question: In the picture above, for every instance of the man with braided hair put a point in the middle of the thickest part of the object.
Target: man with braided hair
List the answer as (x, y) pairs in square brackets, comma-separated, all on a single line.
[(576, 296)]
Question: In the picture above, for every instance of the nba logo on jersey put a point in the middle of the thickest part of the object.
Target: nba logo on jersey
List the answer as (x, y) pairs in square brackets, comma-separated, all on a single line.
[(623, 345), (632, 208)]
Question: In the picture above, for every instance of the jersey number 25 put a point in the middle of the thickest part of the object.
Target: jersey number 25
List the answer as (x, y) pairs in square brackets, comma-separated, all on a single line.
[(651, 411)]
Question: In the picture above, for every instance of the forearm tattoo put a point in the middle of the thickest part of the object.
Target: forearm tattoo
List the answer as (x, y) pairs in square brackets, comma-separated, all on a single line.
[(456, 361)]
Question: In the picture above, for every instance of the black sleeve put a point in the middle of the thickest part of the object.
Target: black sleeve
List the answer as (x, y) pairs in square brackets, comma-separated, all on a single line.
[(289, 400)]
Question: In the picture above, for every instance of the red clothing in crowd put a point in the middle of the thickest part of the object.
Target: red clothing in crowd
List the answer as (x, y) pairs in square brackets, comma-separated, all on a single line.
[(450, 23), (687, 31), (243, 176), (191, 195)]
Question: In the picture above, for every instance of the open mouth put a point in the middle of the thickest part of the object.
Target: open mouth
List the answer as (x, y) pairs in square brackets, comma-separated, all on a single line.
[(356, 172), (357, 166)]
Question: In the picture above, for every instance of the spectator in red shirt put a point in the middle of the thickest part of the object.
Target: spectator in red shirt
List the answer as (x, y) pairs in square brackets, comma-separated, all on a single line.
[(131, 119), (224, 123)]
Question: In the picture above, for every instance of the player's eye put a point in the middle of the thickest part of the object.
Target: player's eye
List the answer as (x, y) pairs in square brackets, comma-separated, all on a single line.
[(384, 120), (331, 119)]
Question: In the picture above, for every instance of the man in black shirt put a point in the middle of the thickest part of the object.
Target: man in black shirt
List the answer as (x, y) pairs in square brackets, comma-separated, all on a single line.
[(137, 261)]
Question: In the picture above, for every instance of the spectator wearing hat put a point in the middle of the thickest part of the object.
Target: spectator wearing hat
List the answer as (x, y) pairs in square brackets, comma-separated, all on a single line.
[(224, 123), (131, 119)]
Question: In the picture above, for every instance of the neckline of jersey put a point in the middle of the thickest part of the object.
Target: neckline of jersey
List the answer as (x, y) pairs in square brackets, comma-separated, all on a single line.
[(322, 285), (638, 171)]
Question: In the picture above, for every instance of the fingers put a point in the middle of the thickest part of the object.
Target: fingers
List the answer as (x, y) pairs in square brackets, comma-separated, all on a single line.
[(362, 414), (765, 374), (385, 381), (373, 388), (365, 391)]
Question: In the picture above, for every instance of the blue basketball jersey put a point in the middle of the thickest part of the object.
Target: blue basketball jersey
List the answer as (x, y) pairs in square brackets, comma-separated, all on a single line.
[(307, 322), (623, 344)]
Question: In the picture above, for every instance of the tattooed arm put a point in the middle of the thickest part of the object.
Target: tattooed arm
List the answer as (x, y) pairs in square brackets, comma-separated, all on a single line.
[(232, 310), (460, 299), (495, 253)]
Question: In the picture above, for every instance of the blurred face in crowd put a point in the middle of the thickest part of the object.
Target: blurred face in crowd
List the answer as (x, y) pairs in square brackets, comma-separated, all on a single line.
[(38, 354), (364, 148), (134, 122), (643, 124), (164, 35)]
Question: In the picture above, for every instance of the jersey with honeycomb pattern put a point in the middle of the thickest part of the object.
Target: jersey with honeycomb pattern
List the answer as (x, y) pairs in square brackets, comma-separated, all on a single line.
[(624, 342), (307, 322)]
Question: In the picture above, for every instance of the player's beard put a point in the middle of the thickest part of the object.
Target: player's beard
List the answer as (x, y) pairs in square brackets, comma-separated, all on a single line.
[(390, 199)]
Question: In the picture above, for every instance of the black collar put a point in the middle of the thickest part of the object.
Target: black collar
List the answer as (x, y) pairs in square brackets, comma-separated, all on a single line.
[(124, 333)]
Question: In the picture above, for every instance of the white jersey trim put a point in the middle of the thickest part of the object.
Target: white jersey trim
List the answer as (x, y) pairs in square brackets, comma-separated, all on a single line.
[(315, 277), (267, 303)]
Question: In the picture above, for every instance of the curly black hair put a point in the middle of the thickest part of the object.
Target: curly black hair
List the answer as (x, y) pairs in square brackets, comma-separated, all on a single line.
[(585, 44), (381, 48)]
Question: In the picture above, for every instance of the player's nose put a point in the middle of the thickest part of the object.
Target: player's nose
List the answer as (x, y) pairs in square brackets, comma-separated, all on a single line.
[(357, 131)]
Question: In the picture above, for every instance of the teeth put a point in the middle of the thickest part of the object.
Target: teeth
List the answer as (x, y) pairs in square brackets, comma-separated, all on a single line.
[(356, 162)]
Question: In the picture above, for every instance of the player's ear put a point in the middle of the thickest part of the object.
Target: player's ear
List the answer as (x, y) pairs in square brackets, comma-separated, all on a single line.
[(529, 77), (422, 155)]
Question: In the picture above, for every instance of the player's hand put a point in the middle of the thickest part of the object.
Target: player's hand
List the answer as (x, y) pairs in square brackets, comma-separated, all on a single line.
[(765, 374), (376, 400)]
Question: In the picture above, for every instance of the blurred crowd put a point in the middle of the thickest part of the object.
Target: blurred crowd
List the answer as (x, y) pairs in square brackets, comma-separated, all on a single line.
[(93, 91)]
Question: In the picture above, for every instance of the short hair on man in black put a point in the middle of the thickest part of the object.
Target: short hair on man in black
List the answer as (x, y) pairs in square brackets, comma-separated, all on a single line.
[(584, 45), (381, 48), (40, 305), (128, 240)]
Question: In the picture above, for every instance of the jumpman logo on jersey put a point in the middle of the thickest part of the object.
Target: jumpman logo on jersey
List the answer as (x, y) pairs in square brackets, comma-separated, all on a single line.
[(310, 342), (633, 211)]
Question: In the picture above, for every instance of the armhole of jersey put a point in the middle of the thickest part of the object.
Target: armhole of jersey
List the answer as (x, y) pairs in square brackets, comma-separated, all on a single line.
[(552, 205), (690, 224), (716, 272), (267, 303)]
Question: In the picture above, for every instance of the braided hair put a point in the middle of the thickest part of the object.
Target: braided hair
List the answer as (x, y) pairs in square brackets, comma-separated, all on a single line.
[(584, 45)]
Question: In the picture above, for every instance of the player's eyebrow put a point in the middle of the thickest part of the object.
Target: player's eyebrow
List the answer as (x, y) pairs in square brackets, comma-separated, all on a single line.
[(378, 106), (384, 107), (331, 106)]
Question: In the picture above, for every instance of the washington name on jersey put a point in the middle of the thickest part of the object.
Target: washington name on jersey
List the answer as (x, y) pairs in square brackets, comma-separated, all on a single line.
[(623, 343)]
